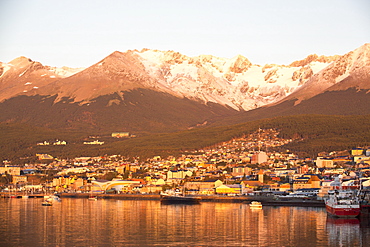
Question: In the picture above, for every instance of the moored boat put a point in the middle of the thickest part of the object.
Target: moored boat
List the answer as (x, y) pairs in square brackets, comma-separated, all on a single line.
[(342, 204), (177, 198), (47, 202), (255, 205), (52, 198), (92, 198)]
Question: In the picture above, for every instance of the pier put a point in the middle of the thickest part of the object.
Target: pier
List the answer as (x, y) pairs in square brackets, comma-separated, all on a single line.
[(265, 200)]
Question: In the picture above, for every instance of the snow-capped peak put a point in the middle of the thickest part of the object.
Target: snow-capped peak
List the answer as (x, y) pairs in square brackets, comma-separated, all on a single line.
[(235, 82)]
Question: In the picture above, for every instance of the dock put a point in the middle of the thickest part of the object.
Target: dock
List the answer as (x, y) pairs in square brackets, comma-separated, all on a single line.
[(265, 200)]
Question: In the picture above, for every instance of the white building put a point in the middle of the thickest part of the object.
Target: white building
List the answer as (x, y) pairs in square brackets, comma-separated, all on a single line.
[(324, 162)]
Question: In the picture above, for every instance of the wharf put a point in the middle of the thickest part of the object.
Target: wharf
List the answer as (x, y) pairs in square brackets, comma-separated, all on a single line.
[(112, 196), (21, 194), (265, 200)]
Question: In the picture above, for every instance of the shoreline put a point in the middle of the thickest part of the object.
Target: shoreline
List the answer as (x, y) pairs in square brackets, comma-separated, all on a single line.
[(265, 200)]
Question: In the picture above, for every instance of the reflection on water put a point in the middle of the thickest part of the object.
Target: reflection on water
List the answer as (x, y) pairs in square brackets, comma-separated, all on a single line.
[(80, 222), (341, 232)]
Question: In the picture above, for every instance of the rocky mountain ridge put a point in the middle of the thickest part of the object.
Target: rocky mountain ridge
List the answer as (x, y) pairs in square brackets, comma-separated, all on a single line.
[(352, 67), (23, 75), (235, 82)]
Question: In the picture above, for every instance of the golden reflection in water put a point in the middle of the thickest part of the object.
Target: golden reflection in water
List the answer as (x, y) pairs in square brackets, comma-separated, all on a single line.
[(80, 222)]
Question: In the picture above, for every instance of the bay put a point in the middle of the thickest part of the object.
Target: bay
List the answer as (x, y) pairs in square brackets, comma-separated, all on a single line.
[(81, 222)]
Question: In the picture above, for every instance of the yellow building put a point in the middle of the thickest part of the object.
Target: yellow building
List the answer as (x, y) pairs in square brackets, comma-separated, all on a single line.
[(357, 151), (236, 189)]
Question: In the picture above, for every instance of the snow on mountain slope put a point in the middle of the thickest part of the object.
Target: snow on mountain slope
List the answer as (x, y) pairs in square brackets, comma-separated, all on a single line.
[(235, 82), (65, 71), (352, 63), (22, 75)]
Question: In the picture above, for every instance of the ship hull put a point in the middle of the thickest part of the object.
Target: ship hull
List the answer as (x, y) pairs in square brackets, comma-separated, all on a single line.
[(166, 199), (343, 212)]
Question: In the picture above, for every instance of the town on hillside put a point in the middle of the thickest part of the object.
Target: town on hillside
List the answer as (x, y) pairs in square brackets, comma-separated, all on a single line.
[(241, 166)]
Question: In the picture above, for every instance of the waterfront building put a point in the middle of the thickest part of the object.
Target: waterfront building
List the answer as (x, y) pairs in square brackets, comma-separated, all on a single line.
[(306, 182), (251, 185), (203, 187), (231, 189), (118, 185)]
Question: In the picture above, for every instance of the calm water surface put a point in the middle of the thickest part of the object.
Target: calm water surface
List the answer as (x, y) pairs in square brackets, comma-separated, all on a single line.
[(80, 222)]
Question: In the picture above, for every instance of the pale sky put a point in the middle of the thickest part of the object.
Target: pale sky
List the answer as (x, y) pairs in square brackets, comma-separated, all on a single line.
[(79, 33)]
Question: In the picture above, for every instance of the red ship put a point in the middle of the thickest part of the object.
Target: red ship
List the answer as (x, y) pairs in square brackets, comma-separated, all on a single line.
[(343, 204)]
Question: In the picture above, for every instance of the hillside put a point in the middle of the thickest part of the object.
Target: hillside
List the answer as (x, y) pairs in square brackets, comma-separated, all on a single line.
[(138, 111), (346, 102), (316, 133)]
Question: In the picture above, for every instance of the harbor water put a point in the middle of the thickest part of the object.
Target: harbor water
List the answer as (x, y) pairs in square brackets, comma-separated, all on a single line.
[(110, 222)]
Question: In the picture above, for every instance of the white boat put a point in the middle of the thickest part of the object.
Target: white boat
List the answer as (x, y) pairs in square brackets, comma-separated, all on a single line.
[(47, 202), (255, 205), (93, 198), (52, 198)]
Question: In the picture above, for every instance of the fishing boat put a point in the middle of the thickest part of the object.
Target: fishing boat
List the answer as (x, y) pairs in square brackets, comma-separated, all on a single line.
[(342, 203), (255, 205), (178, 198)]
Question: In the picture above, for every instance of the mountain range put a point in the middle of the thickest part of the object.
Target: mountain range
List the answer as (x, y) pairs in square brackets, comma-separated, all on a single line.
[(151, 91)]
